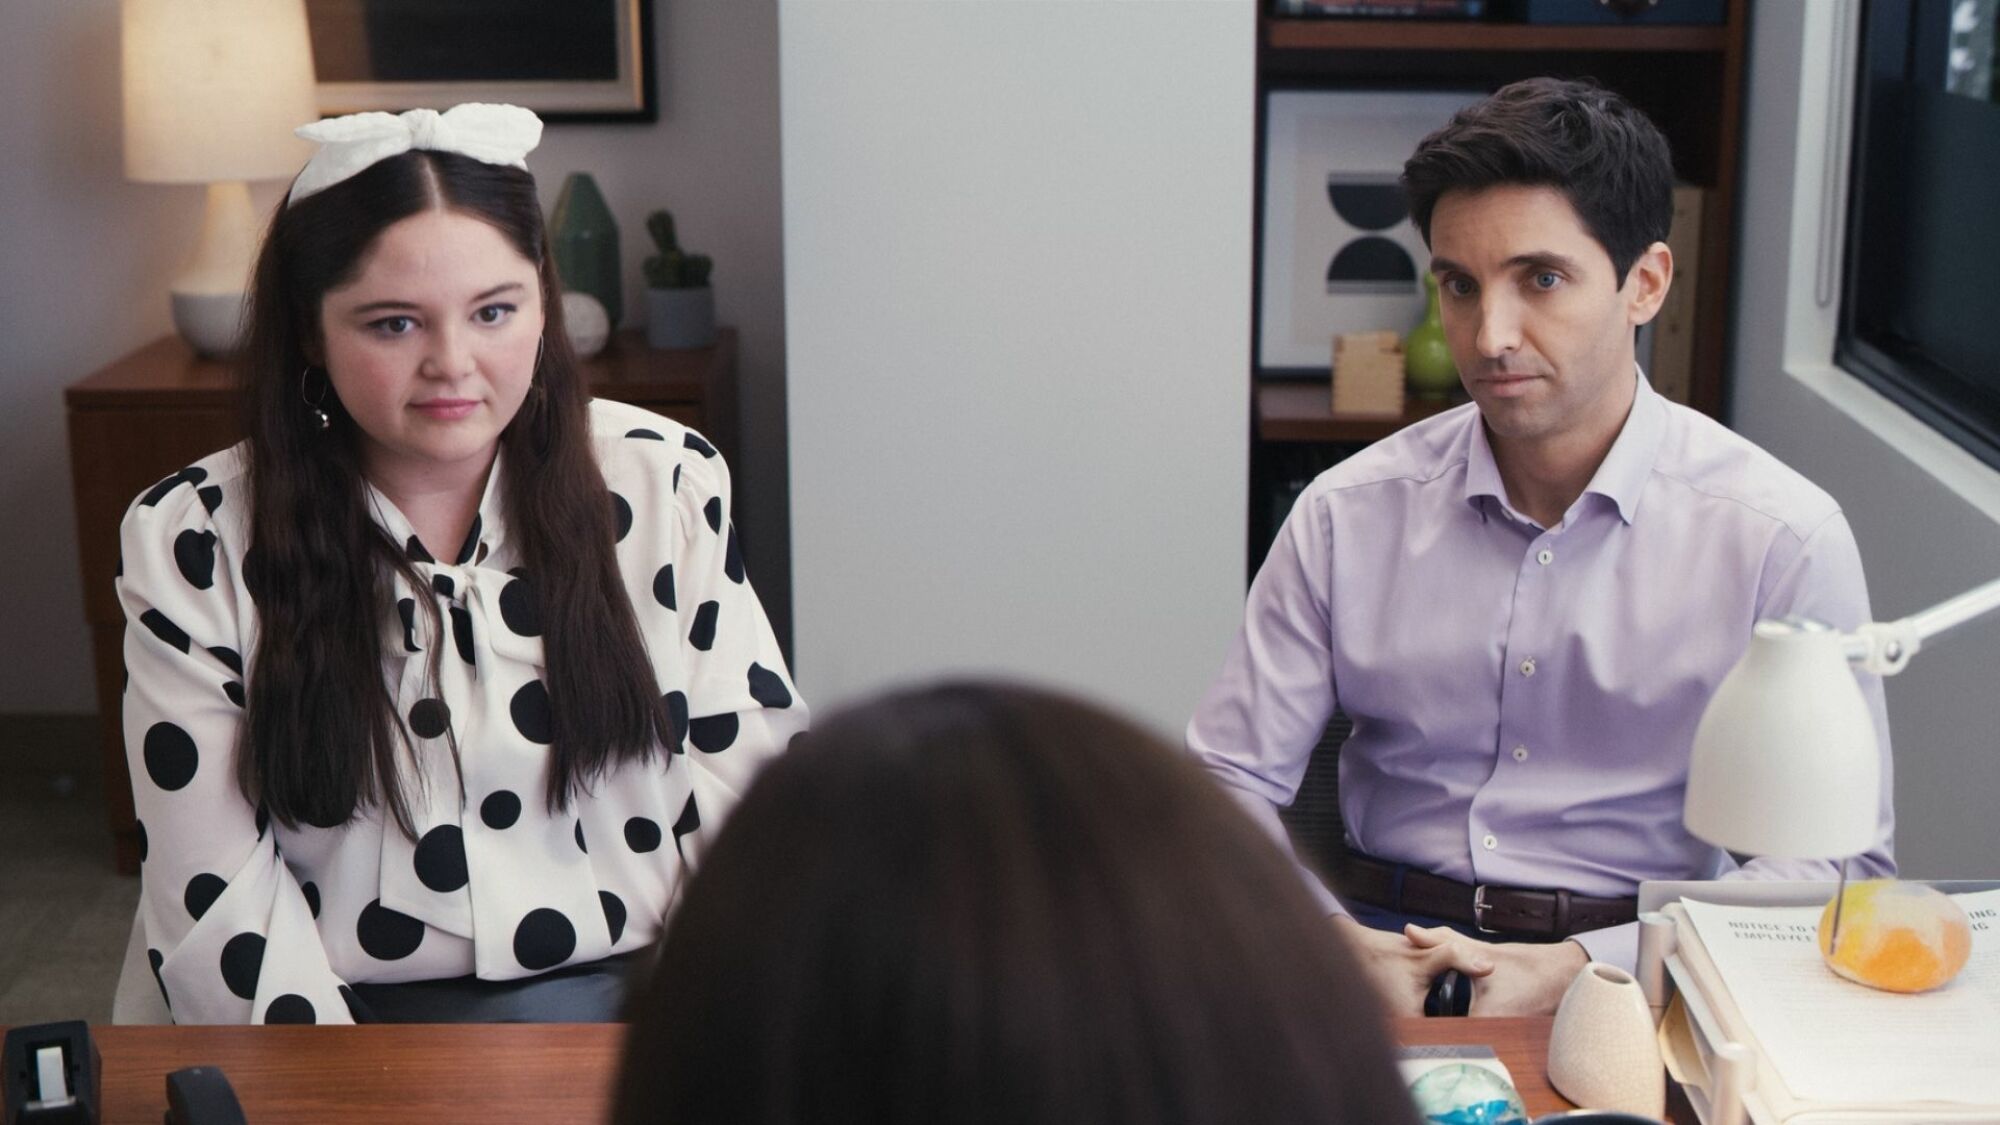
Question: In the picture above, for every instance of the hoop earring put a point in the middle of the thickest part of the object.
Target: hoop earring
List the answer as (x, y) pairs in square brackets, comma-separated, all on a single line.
[(314, 405)]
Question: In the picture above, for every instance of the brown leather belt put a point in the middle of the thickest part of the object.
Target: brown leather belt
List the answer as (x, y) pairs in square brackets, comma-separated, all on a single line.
[(1511, 912)]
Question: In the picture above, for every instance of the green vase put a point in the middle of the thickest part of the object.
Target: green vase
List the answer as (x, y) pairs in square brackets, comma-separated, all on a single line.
[(1427, 366), (586, 244)]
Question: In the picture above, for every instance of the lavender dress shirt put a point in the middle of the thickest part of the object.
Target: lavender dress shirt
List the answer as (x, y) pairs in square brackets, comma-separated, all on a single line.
[(1524, 698)]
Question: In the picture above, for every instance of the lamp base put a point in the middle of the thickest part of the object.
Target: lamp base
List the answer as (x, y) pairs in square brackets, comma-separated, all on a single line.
[(211, 323)]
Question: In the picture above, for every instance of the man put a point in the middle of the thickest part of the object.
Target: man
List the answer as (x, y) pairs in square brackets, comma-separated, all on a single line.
[(1524, 603)]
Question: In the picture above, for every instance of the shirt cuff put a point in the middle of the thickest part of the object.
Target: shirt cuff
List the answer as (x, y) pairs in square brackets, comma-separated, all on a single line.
[(1613, 945)]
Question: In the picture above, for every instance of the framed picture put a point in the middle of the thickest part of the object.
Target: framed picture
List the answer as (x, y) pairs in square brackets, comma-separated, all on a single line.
[(1339, 253), (568, 60)]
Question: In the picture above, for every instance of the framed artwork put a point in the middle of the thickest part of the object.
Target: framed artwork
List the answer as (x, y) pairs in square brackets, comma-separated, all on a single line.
[(1339, 253), (568, 60)]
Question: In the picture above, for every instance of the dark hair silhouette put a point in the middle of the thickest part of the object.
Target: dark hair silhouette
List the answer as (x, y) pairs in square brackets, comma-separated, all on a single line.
[(1590, 144), (984, 903), (322, 733)]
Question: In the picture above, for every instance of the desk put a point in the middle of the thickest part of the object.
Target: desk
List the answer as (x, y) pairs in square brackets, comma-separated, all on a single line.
[(149, 413), (384, 1074)]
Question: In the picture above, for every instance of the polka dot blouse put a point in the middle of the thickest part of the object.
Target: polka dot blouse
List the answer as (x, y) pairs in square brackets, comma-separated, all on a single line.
[(249, 922)]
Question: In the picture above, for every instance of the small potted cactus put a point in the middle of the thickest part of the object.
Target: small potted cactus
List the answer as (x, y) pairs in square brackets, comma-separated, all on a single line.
[(680, 306)]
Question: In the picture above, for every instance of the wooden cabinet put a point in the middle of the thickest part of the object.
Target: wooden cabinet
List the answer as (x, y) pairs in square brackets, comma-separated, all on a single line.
[(160, 408)]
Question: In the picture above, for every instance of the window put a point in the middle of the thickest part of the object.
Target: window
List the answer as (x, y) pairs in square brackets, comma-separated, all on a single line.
[(1921, 319)]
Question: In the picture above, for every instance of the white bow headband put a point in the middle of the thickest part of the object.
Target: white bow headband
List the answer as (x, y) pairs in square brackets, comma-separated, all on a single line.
[(491, 134)]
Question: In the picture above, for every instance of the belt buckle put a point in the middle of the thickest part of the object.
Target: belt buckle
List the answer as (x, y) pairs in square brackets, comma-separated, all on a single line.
[(1479, 908)]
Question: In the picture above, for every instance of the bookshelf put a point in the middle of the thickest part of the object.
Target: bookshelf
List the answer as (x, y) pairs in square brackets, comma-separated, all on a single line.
[(1688, 79)]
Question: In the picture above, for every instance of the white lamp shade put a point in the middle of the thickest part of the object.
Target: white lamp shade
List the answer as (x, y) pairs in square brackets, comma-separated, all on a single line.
[(214, 88), (1785, 761)]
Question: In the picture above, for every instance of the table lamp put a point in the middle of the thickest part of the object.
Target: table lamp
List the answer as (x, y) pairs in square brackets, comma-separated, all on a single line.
[(1785, 761), (213, 90)]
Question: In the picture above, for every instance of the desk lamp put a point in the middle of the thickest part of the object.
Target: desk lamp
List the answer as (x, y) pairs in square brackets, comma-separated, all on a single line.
[(213, 90), (1785, 761)]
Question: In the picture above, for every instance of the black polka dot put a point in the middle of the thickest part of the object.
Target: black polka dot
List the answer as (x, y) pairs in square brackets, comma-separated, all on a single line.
[(234, 690), (649, 435), (530, 709), (713, 734), (154, 959), (520, 609), (243, 963), (694, 441), (211, 498), (614, 914), (544, 939), (768, 688), (430, 718), (688, 822), (443, 586), (311, 891), (415, 550), (194, 553), (642, 834), (157, 623), (263, 820), (663, 587), (201, 893), (440, 859), (702, 635), (388, 935), (141, 826), (471, 544), (291, 1008), (406, 608), (712, 512), (189, 475), (732, 558), (677, 478), (170, 756), (621, 512), (677, 711), (229, 658), (500, 809), (580, 845), (461, 632)]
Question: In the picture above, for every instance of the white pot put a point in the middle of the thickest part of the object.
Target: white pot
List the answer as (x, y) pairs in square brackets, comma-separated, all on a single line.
[(680, 318), (1602, 1050)]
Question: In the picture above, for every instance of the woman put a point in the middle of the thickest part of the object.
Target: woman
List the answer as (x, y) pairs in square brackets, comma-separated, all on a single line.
[(441, 674), (982, 903)]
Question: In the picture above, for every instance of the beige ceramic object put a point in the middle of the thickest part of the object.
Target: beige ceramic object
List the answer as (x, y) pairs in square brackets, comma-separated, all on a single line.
[(1602, 1051)]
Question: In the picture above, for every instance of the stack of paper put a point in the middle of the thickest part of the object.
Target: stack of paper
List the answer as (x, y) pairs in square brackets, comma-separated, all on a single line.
[(1827, 1049)]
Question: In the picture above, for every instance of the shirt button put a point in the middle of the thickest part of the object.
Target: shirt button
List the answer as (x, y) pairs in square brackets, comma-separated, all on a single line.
[(1528, 666), (1545, 556), (1520, 753), (1490, 843)]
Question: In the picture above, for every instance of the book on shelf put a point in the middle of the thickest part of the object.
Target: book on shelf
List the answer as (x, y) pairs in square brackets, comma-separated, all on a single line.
[(1381, 9), (1669, 338), (1823, 1049)]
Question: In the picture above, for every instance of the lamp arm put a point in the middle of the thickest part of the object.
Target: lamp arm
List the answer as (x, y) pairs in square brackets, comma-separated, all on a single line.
[(1885, 648)]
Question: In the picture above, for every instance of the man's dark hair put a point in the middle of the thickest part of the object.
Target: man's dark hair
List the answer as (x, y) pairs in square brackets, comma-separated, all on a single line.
[(1595, 147)]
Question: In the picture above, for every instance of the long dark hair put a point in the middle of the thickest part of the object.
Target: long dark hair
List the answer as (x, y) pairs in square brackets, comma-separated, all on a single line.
[(983, 903), (322, 733), (1599, 150)]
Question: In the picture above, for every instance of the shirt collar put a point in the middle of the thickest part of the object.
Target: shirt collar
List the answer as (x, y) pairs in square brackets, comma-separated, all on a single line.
[(481, 540), (1620, 478)]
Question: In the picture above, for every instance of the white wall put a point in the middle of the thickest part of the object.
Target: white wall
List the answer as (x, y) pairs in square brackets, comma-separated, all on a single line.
[(1018, 291), (1926, 515), (85, 257)]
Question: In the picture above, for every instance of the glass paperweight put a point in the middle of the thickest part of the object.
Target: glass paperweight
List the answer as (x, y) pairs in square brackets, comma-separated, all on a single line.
[(1463, 1094)]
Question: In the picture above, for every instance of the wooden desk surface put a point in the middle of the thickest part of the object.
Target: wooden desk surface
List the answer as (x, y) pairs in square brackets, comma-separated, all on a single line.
[(509, 1072)]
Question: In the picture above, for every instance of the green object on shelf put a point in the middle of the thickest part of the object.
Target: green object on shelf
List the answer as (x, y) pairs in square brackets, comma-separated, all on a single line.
[(1428, 369), (585, 239)]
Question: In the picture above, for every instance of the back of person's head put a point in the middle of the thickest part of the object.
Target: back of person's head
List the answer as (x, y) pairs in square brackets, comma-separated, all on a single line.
[(1593, 146), (977, 903)]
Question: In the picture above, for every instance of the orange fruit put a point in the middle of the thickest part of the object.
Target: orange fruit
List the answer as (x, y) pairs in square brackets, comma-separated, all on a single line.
[(1896, 936)]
